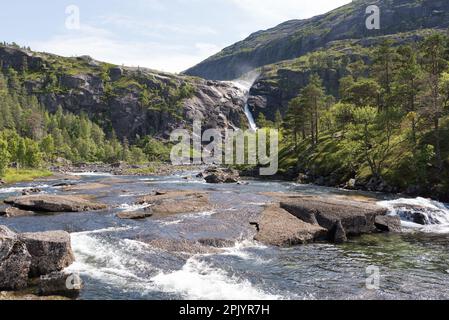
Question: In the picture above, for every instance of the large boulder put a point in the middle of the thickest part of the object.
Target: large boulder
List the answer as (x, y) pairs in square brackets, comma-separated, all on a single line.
[(342, 218), (15, 261), (60, 284), (54, 203), (217, 176), (50, 251), (278, 227), (161, 204)]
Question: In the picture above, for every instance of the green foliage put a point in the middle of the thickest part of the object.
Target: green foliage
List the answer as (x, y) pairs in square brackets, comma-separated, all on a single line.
[(32, 137), (390, 122), (4, 157), (21, 175)]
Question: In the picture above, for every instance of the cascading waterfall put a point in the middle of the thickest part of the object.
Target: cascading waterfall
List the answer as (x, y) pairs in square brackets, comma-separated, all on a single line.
[(250, 117), (421, 213), (244, 84)]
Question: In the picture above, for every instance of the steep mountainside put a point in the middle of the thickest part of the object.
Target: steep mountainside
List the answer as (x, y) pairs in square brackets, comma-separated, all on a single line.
[(294, 38), (280, 82), (133, 102)]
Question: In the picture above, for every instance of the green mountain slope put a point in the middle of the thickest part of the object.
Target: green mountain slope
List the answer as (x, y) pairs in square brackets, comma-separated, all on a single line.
[(294, 38)]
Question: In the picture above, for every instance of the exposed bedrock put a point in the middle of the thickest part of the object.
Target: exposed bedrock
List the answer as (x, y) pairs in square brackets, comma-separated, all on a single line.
[(341, 218), (278, 227), (54, 203)]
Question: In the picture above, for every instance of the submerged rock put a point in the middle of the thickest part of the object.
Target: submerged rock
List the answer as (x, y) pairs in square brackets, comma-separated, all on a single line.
[(278, 227), (342, 218), (135, 215), (50, 251), (15, 261), (54, 203)]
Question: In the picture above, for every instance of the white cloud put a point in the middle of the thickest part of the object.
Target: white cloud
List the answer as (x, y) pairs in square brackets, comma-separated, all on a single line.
[(103, 45), (175, 34)]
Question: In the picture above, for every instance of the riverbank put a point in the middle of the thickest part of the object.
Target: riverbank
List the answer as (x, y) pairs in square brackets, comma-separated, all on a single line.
[(24, 175), (368, 185)]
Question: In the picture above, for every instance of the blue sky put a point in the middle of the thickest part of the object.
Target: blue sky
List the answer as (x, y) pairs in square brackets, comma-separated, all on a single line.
[(168, 35)]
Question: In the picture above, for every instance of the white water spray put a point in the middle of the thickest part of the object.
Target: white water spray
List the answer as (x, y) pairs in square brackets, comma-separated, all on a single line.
[(244, 84), (420, 213)]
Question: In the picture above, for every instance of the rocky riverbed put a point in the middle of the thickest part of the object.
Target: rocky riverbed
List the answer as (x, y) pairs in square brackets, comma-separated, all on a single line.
[(176, 236)]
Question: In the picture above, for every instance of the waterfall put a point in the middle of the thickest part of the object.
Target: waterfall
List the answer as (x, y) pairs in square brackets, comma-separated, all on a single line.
[(244, 84), (420, 213), (249, 116)]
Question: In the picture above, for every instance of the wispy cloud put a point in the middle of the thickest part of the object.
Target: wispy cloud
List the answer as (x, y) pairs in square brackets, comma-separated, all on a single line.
[(170, 35), (104, 45)]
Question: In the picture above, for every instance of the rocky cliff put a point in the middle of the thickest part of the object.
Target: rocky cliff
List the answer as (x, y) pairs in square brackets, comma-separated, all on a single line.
[(298, 37), (132, 101)]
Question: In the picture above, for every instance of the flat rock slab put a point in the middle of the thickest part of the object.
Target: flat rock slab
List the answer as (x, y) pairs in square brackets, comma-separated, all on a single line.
[(342, 218), (50, 251), (54, 203), (12, 212), (15, 261), (277, 227), (162, 204)]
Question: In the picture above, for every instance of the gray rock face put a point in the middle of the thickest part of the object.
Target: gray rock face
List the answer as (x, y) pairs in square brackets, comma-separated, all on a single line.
[(388, 224), (220, 105), (298, 37), (15, 261), (50, 251), (53, 203), (341, 218), (60, 284)]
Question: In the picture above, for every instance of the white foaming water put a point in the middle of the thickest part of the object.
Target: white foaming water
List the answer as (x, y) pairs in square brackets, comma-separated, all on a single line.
[(115, 264), (240, 250), (121, 264), (245, 84), (433, 214), (19, 189), (250, 117), (199, 280), (133, 207), (186, 217)]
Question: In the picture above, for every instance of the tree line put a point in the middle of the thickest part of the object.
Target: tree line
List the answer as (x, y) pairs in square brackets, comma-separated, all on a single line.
[(30, 136), (391, 116)]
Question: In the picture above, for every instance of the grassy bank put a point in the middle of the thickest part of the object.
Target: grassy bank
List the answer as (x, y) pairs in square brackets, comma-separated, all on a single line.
[(24, 175)]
